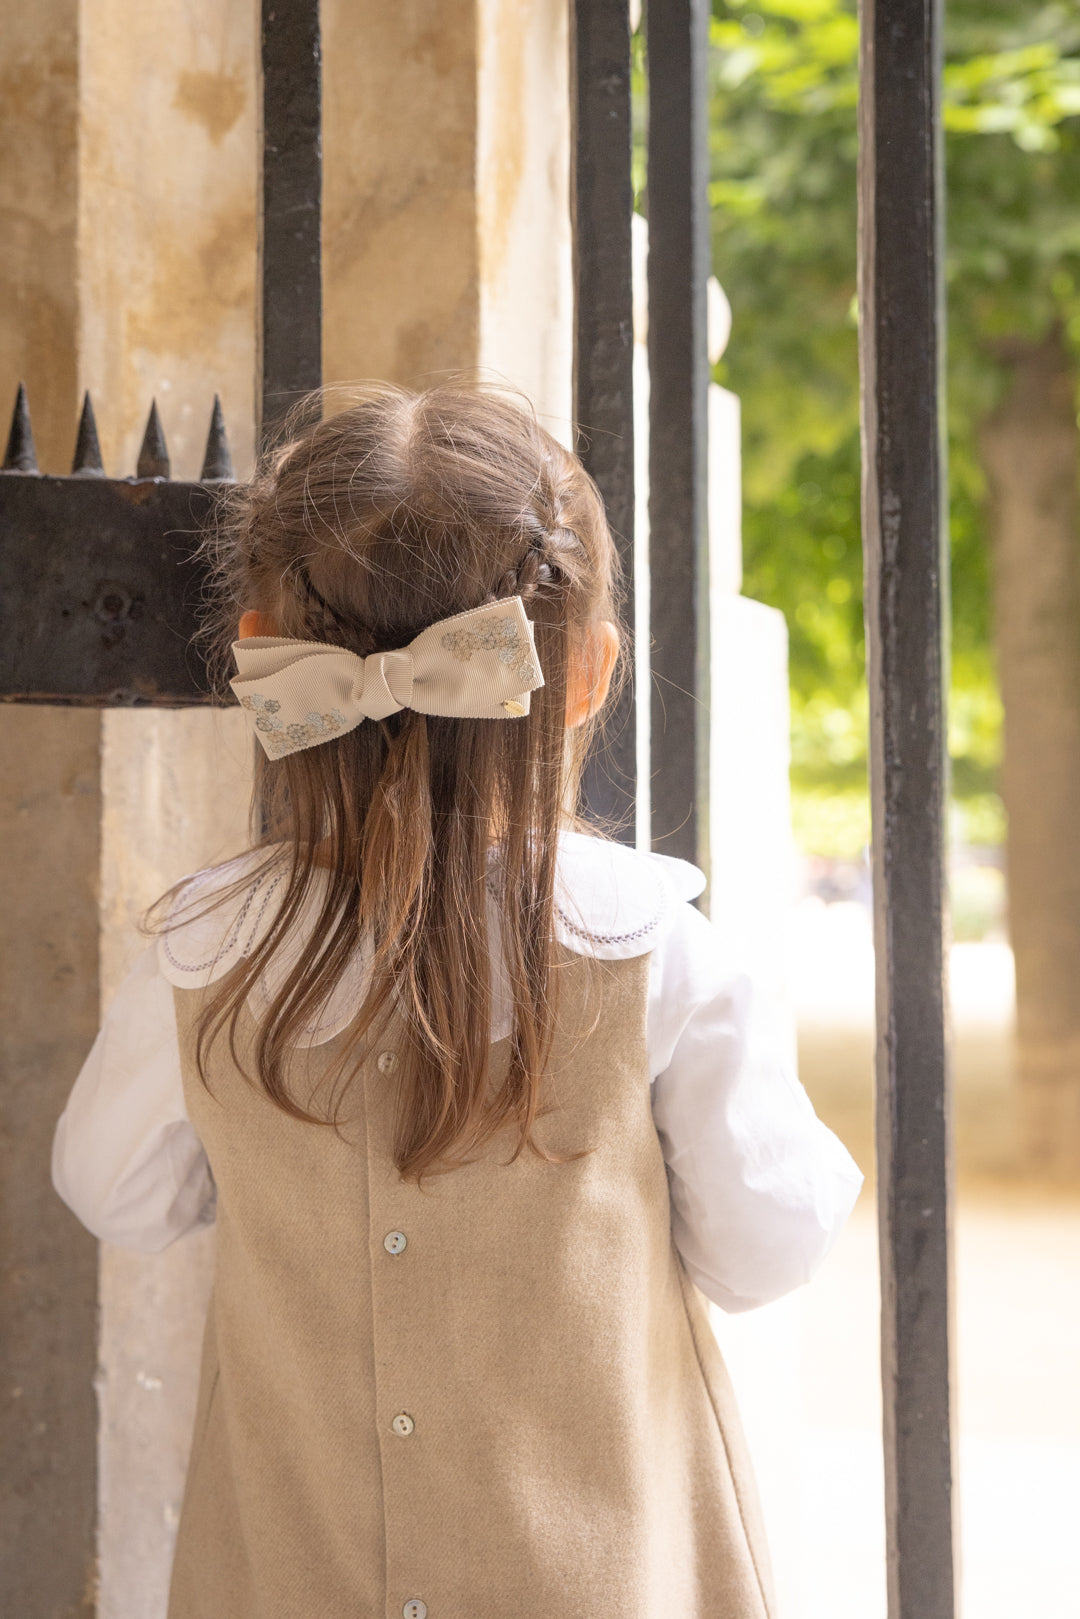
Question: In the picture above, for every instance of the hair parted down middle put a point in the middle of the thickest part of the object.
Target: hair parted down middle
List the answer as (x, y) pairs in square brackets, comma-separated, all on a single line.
[(400, 510)]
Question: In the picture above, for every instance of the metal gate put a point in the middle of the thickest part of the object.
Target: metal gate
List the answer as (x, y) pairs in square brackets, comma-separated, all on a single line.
[(98, 591)]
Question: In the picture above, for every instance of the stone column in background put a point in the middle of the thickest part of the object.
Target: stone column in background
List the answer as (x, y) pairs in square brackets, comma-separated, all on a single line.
[(49, 816), (446, 196), (166, 235), (175, 788), (39, 115), (166, 290), (522, 196), (1031, 450), (749, 893)]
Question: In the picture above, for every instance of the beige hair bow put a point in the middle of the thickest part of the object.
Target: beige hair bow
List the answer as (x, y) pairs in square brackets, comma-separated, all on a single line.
[(476, 665)]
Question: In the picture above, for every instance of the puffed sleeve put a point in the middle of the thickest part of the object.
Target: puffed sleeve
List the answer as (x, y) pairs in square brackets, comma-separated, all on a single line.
[(760, 1188), (125, 1157)]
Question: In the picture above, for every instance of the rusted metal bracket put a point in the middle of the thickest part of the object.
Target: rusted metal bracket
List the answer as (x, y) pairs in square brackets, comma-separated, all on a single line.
[(100, 580), (98, 591)]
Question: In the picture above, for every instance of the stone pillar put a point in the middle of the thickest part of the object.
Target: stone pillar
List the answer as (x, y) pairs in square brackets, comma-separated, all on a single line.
[(750, 836), (166, 237), (175, 790), (166, 263), (39, 116), (523, 218), (749, 889), (49, 819), (401, 299), (750, 894), (446, 195)]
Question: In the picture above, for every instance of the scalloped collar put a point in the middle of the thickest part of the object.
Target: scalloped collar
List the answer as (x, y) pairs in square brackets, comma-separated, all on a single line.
[(611, 903)]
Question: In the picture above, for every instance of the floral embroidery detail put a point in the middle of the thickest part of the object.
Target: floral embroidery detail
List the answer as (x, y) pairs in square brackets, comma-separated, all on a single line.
[(261, 704), (502, 636), (315, 727)]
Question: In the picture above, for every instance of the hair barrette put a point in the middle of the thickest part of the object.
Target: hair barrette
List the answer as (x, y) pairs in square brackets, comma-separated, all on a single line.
[(480, 664)]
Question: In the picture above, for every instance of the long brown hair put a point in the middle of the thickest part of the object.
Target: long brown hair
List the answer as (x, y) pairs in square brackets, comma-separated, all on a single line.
[(398, 511)]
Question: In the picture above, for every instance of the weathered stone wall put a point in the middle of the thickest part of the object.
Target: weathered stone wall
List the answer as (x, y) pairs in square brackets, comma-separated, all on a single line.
[(167, 264), (445, 205), (175, 789), (400, 254), (39, 112), (523, 166), (166, 223), (49, 820)]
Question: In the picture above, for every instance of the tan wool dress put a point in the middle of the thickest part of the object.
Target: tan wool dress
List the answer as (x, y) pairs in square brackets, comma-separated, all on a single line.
[(493, 1397)]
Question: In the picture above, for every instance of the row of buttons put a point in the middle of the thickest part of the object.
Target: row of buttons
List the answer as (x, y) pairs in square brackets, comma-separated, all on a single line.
[(395, 1242)]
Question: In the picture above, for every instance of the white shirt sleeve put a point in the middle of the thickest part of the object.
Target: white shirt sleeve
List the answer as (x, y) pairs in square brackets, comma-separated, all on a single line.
[(126, 1158), (760, 1188)]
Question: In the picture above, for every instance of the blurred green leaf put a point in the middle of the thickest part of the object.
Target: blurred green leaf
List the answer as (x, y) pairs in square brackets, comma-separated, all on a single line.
[(784, 76)]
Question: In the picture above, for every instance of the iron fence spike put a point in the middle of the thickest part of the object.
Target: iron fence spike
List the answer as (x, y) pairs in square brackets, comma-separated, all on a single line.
[(87, 462), (153, 459), (217, 462), (21, 455)]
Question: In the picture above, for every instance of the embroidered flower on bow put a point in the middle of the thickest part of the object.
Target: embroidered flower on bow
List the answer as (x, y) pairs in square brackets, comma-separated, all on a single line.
[(502, 636), (264, 708), (314, 727)]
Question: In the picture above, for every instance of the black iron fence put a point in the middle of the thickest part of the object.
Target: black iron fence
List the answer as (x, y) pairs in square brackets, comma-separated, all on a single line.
[(104, 614)]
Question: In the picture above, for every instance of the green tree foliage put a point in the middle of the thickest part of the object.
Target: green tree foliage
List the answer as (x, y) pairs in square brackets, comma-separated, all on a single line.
[(783, 194)]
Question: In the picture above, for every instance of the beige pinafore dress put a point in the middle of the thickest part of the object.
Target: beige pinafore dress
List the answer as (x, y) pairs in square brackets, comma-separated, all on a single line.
[(493, 1397)]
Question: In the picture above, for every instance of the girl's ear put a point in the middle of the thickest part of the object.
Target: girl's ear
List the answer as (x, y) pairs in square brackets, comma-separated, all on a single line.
[(590, 680), (253, 623)]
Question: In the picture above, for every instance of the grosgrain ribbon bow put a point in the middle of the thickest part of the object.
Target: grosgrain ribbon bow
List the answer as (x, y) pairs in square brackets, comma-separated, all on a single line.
[(477, 665)]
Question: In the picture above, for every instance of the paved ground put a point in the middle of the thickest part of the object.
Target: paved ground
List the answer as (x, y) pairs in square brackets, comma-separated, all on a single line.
[(806, 1369), (806, 1372)]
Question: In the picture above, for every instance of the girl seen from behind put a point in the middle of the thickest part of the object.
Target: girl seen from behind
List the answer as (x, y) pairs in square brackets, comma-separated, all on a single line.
[(470, 1091)]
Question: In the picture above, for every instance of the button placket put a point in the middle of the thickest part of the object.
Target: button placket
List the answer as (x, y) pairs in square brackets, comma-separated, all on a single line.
[(394, 1301)]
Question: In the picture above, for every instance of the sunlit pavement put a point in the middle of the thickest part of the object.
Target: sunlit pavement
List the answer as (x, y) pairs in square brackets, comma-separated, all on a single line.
[(806, 1369)]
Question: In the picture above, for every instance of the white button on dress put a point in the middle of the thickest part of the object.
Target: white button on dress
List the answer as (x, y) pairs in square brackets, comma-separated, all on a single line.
[(403, 1424), (414, 1609), (386, 1062), (395, 1242)]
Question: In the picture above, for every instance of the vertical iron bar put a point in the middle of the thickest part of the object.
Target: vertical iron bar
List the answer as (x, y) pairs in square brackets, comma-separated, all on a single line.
[(290, 237), (678, 152), (602, 202), (904, 528)]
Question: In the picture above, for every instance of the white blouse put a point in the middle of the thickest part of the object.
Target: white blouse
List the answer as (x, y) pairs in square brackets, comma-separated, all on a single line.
[(760, 1188)]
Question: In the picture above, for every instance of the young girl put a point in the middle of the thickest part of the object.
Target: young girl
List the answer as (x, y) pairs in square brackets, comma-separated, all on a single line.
[(468, 1090)]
